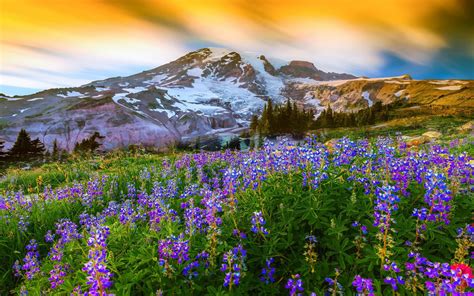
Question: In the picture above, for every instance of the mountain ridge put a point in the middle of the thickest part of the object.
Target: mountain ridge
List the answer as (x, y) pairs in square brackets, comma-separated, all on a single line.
[(205, 92)]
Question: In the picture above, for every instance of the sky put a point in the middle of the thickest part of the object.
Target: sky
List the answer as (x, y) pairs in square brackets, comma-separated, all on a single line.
[(58, 43)]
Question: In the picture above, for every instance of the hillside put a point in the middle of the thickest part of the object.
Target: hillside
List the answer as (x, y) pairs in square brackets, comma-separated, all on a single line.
[(207, 92)]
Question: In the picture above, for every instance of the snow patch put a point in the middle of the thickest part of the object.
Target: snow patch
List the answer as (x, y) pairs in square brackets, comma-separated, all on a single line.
[(450, 87), (158, 79), (216, 54), (11, 99), (399, 93), (195, 72), (100, 88), (135, 89), (396, 82), (366, 96), (130, 100), (318, 82), (70, 94), (226, 92), (35, 99), (273, 84), (118, 97)]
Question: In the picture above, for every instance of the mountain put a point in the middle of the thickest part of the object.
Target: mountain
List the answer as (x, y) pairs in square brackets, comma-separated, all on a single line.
[(206, 92)]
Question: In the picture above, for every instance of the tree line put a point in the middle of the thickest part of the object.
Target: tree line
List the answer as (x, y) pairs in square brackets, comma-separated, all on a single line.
[(371, 115), (289, 119), (27, 149), (282, 119)]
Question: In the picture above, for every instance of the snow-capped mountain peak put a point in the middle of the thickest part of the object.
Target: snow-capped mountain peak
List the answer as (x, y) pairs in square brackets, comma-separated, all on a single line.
[(211, 90)]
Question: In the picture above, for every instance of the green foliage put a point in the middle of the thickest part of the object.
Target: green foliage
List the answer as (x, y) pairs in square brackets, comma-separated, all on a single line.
[(233, 144), (279, 120), (292, 212), (2, 153), (89, 145), (371, 115)]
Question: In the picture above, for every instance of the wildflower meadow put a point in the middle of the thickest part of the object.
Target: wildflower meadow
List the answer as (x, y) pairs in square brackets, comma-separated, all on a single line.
[(355, 217)]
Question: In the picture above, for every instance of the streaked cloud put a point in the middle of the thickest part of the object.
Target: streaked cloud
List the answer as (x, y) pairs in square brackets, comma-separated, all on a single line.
[(55, 43)]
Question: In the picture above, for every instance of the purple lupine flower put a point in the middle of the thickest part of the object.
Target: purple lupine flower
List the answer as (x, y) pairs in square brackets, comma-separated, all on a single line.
[(238, 233), (49, 237), (67, 231), (99, 277), (258, 223), (394, 282), (31, 263), (386, 204), (17, 269), (57, 275), (232, 266), (56, 252), (190, 271), (23, 223), (363, 286), (174, 248), (294, 285), (268, 272)]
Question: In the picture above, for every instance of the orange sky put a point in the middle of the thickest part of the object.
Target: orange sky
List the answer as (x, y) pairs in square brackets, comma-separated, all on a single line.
[(61, 43)]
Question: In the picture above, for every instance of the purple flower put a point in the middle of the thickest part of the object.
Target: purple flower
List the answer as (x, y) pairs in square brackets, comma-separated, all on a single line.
[(394, 282), (232, 266), (49, 237), (174, 248), (31, 263), (363, 286), (294, 285), (98, 275), (258, 223), (57, 275), (268, 272)]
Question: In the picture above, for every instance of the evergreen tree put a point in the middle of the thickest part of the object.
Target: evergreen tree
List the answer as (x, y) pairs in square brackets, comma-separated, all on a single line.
[(252, 143), (197, 145), (22, 147), (37, 148), (260, 141), (2, 153), (234, 143), (89, 145), (329, 117), (269, 125), (254, 124), (55, 153)]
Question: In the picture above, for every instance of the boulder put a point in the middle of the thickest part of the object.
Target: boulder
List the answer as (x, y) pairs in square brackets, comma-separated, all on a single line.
[(432, 134), (467, 127), (417, 141)]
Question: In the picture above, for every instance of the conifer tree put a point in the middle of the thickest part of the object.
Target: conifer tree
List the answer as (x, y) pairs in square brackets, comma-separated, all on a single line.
[(37, 148), (234, 143), (197, 144), (89, 145), (55, 153), (22, 147), (254, 124), (2, 153)]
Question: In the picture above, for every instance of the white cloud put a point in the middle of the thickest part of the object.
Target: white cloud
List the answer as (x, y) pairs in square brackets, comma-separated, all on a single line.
[(84, 57)]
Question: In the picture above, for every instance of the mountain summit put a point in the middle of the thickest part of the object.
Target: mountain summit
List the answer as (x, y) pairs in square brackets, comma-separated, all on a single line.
[(205, 92)]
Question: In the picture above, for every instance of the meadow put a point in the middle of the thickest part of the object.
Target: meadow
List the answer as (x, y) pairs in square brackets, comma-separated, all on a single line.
[(355, 216)]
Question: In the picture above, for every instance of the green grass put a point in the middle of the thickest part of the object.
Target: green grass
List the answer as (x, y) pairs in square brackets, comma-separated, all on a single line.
[(292, 212), (414, 126)]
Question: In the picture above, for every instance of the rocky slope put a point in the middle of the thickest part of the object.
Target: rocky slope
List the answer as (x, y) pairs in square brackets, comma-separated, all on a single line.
[(205, 92)]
